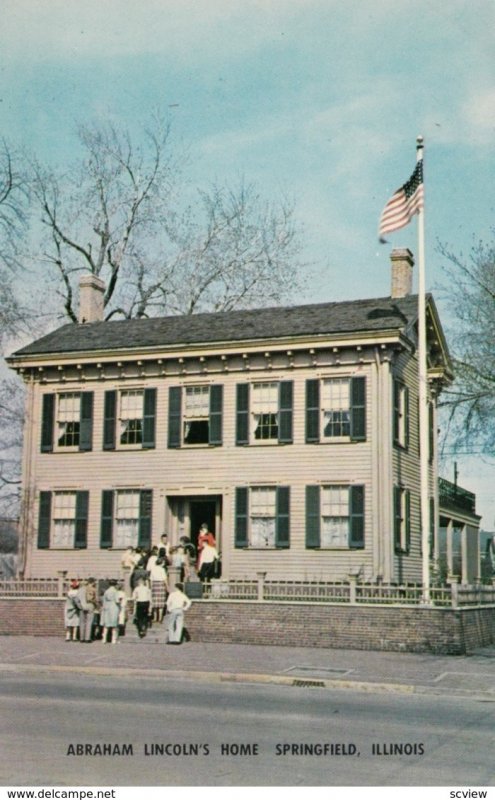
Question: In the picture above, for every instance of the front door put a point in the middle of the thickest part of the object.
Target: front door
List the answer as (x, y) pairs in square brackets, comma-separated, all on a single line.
[(201, 511)]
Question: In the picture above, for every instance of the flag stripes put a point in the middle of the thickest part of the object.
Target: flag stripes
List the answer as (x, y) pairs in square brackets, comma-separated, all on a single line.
[(404, 203)]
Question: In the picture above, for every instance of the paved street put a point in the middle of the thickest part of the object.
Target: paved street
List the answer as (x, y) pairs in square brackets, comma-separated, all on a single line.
[(45, 718), (470, 676)]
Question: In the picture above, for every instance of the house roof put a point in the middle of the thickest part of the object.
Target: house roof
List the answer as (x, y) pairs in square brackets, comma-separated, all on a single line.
[(349, 317)]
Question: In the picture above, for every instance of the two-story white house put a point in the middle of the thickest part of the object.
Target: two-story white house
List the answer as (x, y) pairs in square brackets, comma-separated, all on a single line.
[(293, 432)]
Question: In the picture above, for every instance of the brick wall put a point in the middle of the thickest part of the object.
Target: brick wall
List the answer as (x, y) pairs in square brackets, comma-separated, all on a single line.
[(415, 630)]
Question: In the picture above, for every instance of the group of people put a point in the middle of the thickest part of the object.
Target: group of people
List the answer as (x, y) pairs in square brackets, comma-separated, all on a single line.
[(148, 587), (85, 610)]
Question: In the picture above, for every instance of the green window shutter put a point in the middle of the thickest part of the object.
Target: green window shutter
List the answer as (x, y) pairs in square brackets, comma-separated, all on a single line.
[(174, 416), (82, 505), (313, 516), (109, 420), (149, 418), (286, 391), (242, 414), (358, 408), (241, 517), (312, 411), (47, 423), (86, 421), (106, 531), (397, 518), (44, 520), (282, 525), (408, 519), (356, 516), (216, 414), (406, 417), (145, 512)]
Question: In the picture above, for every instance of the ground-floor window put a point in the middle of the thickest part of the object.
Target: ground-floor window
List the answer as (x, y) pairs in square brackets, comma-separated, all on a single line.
[(334, 516), (126, 518), (262, 517), (63, 520)]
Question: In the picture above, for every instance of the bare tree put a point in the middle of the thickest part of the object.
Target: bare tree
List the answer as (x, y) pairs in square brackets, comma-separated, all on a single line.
[(124, 213), (14, 206), (470, 402), (121, 214)]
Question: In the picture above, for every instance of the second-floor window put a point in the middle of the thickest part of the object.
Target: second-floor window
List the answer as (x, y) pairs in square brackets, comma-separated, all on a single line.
[(401, 414), (67, 421), (264, 412), (129, 418), (195, 415), (336, 409)]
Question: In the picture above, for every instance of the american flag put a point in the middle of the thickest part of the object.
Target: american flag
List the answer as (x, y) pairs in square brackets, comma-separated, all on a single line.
[(404, 203)]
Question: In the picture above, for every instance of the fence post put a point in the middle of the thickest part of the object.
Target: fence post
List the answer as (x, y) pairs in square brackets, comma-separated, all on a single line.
[(61, 575), (454, 590), (261, 585), (353, 579)]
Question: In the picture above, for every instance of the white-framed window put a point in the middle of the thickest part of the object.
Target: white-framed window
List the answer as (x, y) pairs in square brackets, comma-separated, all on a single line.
[(263, 512), (265, 411), (196, 418), (126, 531), (335, 401), (131, 416), (63, 520), (68, 419), (334, 516), (401, 414)]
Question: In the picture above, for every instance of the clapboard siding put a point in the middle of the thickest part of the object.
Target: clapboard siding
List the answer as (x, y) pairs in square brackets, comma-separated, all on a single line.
[(214, 471), (406, 471)]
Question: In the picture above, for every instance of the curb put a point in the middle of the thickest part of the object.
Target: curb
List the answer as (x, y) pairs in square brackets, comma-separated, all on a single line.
[(245, 677)]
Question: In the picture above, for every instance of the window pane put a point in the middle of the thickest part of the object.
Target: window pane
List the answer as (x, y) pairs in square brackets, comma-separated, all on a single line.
[(262, 516), (335, 516), (262, 532), (131, 405), (265, 398), (126, 533), (64, 514), (263, 501), (127, 504), (68, 415), (197, 401), (335, 403)]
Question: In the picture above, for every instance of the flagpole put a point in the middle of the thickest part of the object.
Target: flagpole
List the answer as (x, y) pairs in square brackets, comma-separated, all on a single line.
[(423, 397)]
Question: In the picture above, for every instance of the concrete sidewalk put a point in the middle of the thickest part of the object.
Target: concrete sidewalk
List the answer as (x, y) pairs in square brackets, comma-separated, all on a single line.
[(470, 676)]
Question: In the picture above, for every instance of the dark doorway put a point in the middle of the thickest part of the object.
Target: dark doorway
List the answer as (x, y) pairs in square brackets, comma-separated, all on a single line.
[(201, 511)]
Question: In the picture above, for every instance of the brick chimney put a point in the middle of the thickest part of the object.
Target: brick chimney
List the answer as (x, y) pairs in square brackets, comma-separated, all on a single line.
[(91, 291), (402, 271)]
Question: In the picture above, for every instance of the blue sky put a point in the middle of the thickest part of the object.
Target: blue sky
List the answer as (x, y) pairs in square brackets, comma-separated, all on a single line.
[(319, 99)]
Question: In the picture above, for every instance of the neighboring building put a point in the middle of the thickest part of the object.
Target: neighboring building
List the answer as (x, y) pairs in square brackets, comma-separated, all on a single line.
[(293, 432)]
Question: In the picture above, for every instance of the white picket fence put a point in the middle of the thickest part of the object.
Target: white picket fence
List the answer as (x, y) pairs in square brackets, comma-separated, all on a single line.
[(263, 590)]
